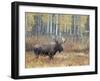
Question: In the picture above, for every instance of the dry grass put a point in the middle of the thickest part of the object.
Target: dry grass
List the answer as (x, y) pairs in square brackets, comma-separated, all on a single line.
[(63, 59), (69, 46), (74, 54)]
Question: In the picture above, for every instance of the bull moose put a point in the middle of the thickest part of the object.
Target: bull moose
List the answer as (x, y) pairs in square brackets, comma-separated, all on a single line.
[(48, 49)]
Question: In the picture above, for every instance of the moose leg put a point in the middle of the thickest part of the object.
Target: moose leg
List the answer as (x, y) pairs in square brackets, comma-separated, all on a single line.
[(51, 56), (37, 56)]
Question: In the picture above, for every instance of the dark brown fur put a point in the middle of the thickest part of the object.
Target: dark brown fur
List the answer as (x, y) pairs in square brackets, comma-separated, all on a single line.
[(48, 49)]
